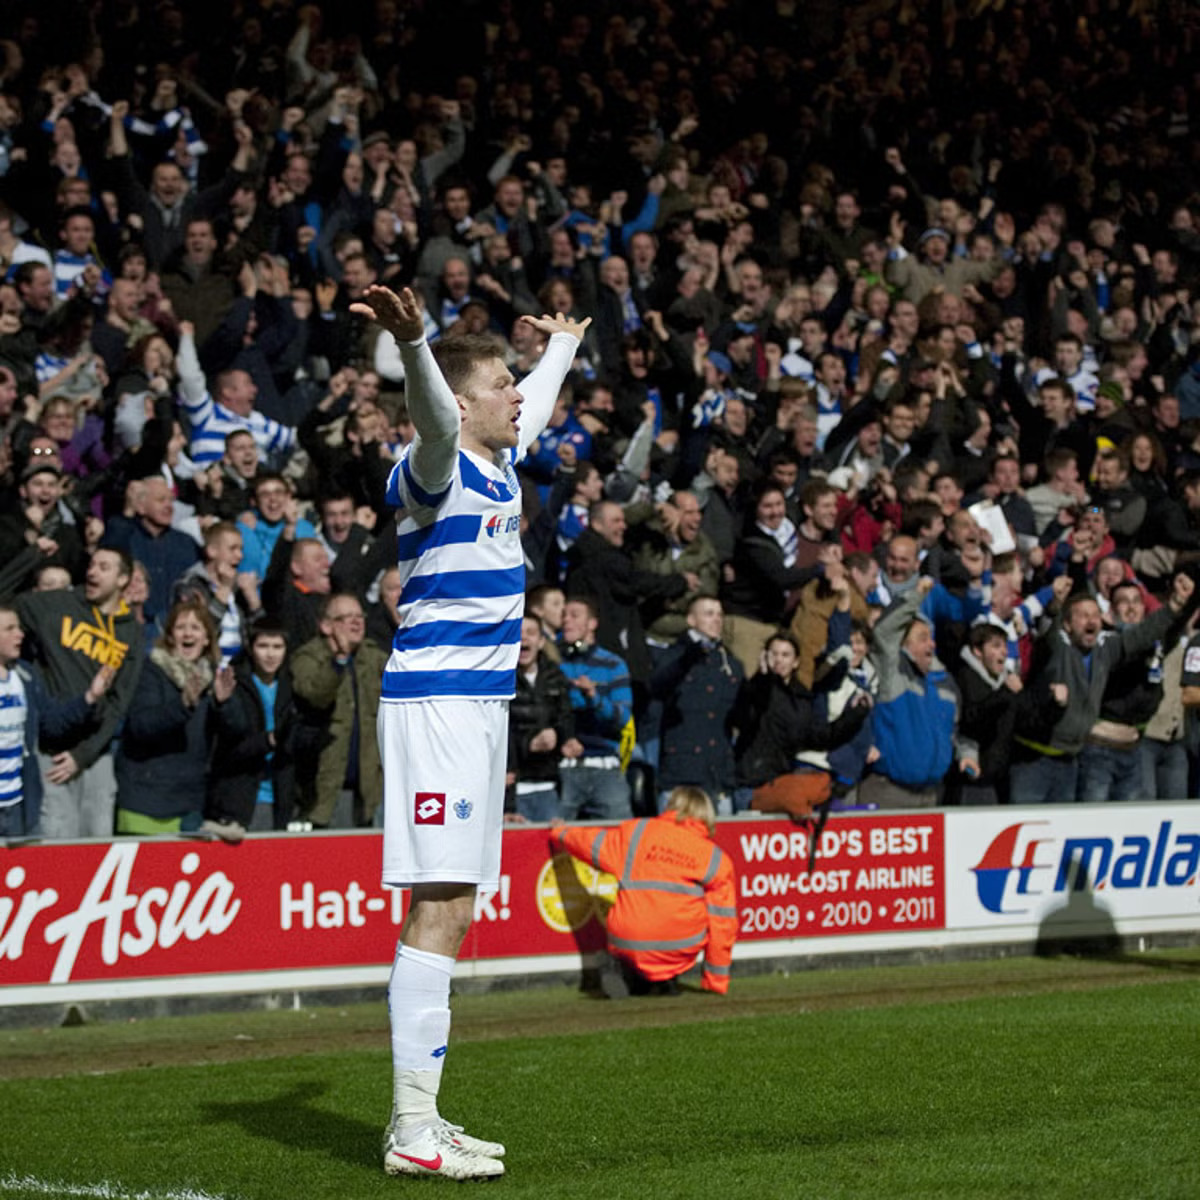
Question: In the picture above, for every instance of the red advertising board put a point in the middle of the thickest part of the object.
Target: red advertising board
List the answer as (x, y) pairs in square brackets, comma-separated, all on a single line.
[(139, 909), (872, 874)]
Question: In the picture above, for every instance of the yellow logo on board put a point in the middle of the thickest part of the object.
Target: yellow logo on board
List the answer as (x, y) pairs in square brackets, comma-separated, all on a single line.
[(570, 893)]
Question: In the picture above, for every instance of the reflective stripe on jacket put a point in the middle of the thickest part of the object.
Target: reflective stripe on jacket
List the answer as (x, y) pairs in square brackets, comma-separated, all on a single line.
[(677, 895)]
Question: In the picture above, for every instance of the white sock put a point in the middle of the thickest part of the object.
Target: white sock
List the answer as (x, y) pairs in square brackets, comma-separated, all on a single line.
[(419, 1009)]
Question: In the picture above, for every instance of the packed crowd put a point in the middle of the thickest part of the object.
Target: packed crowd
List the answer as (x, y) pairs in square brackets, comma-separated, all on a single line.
[(877, 476)]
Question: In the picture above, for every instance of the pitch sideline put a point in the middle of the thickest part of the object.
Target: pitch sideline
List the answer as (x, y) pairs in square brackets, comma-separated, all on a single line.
[(30, 1185)]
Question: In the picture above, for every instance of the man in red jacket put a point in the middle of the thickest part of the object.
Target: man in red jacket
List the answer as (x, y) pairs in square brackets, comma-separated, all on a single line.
[(676, 898)]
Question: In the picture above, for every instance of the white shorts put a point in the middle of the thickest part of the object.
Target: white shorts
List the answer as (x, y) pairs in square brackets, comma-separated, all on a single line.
[(443, 791)]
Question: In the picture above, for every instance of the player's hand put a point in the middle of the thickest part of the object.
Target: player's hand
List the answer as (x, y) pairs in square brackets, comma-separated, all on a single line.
[(559, 324), (399, 314)]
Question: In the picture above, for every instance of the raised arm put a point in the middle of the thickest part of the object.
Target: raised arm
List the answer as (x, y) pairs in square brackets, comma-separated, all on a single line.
[(541, 386), (431, 403), (194, 397)]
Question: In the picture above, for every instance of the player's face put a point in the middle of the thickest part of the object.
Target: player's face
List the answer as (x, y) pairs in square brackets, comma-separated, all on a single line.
[(491, 407)]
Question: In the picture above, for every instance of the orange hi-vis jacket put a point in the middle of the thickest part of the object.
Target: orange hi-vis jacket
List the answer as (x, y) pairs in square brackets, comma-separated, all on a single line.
[(676, 895)]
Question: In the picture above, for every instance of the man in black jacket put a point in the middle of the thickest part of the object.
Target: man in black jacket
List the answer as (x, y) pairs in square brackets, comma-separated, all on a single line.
[(1110, 764), (697, 681), (355, 557), (990, 695), (599, 567)]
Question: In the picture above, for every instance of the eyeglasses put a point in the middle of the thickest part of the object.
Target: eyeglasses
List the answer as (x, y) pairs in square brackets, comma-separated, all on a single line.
[(38, 451)]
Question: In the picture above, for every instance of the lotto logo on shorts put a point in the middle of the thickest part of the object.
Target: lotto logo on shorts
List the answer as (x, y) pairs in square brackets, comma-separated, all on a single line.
[(429, 808)]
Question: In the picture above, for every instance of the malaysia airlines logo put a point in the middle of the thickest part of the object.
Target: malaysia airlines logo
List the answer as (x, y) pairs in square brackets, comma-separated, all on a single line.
[(1024, 861), (1000, 862), (499, 525), (429, 808)]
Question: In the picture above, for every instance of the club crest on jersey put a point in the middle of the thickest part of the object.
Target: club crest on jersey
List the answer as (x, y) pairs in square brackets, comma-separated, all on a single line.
[(492, 488), (463, 809), (429, 808), (498, 525)]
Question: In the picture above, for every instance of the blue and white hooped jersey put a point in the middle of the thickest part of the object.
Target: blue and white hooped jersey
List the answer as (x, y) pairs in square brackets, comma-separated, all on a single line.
[(463, 574), (13, 711)]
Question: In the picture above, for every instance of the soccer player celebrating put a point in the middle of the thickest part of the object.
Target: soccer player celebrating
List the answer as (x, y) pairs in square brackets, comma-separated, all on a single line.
[(443, 719)]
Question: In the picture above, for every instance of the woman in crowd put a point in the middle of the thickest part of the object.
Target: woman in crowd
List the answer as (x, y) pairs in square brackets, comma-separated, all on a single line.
[(162, 764)]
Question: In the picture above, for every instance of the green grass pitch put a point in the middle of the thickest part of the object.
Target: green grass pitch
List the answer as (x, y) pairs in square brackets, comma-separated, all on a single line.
[(1011, 1079)]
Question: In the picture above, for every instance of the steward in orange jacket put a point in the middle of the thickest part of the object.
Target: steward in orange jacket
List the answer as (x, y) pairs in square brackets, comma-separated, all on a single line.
[(677, 893)]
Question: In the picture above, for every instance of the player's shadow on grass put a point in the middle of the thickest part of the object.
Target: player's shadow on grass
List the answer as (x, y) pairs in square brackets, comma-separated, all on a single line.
[(1082, 927), (293, 1119)]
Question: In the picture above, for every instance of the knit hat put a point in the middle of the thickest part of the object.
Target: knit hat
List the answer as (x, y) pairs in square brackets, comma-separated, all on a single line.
[(932, 232), (39, 466), (1112, 391)]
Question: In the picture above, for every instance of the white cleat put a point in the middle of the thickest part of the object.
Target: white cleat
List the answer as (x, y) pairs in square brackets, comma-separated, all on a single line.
[(437, 1151), (474, 1144)]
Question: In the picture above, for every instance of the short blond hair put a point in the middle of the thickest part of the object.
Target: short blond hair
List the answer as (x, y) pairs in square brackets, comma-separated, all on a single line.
[(692, 803)]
